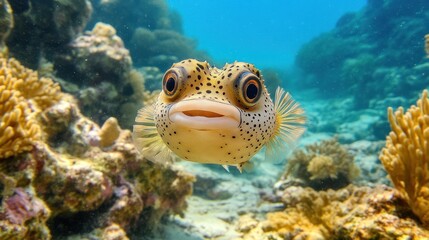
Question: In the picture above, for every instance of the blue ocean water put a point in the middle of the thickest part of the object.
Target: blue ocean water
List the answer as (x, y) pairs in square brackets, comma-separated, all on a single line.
[(344, 62), (265, 34)]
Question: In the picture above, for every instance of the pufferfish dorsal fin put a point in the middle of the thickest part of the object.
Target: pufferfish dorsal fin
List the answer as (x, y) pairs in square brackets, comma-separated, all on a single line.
[(289, 126), (147, 139)]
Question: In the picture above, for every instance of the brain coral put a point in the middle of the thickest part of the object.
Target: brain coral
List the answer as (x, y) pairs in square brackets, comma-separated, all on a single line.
[(22, 95), (406, 155)]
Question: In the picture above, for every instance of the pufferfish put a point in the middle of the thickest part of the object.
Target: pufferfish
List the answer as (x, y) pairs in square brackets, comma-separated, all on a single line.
[(219, 116)]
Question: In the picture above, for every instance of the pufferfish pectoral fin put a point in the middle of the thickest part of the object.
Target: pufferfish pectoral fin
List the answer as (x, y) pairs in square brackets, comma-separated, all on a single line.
[(147, 139), (289, 126)]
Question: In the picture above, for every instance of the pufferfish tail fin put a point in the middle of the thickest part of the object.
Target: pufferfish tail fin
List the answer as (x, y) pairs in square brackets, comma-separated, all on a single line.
[(147, 139), (290, 125)]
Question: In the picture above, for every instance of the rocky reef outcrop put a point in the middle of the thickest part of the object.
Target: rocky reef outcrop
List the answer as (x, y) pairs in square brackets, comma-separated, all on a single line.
[(63, 175), (98, 69), (353, 211), (375, 52), (151, 31), (350, 213), (45, 28), (96, 66)]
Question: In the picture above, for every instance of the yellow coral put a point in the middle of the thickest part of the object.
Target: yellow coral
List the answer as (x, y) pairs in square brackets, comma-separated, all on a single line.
[(17, 128), (321, 167), (43, 91), (22, 95), (328, 161), (103, 30), (350, 213), (109, 132), (114, 232), (406, 155), (294, 221)]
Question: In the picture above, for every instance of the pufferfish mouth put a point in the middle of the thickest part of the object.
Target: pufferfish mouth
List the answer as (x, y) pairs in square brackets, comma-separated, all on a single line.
[(203, 114)]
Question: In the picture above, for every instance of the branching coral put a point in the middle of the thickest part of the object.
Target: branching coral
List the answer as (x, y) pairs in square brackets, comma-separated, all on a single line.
[(406, 155), (323, 165), (22, 95), (17, 129), (41, 90)]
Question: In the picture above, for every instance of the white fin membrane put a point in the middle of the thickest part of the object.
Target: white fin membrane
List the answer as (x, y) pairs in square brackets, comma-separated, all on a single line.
[(147, 139), (290, 125)]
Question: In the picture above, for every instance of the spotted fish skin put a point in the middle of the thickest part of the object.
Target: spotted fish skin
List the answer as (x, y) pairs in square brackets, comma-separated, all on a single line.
[(230, 146), (220, 116)]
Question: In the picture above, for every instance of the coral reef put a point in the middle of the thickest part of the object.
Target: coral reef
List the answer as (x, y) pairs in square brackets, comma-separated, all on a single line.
[(23, 215), (406, 155), (94, 65), (150, 30), (22, 96), (17, 133), (6, 23), (322, 165), (76, 171), (112, 184), (44, 28), (353, 212), (151, 76), (350, 213), (366, 69), (133, 12), (161, 48), (109, 132), (98, 56), (99, 67)]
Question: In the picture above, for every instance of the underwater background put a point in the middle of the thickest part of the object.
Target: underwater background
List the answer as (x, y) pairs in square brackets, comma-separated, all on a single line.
[(74, 73)]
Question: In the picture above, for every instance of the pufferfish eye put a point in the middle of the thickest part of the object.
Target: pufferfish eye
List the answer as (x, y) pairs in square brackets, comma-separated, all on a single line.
[(171, 83), (249, 89)]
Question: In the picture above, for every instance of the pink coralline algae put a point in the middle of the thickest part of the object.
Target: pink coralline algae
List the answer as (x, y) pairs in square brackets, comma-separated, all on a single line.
[(21, 207)]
